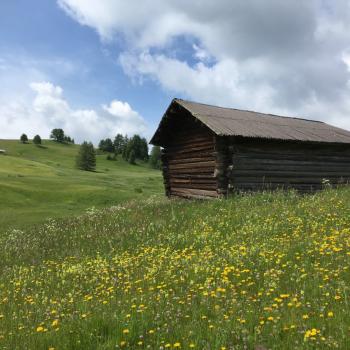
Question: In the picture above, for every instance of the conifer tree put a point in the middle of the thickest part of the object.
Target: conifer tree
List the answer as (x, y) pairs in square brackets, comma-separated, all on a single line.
[(86, 159)]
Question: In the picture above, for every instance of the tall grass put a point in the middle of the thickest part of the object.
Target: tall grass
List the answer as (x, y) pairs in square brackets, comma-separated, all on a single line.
[(268, 271)]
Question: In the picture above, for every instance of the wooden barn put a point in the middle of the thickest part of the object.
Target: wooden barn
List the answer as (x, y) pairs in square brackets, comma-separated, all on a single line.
[(210, 151)]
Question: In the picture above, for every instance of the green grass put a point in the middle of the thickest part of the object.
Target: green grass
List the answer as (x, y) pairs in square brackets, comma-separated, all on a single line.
[(37, 183), (263, 271)]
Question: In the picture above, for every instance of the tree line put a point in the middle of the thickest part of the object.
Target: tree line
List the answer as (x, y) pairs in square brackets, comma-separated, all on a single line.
[(57, 135), (130, 149)]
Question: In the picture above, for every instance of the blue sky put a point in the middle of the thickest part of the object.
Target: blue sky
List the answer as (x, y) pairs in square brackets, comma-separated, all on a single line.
[(96, 68)]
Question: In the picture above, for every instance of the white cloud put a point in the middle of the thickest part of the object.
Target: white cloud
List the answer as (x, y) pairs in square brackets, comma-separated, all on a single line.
[(48, 109), (220, 83), (286, 57)]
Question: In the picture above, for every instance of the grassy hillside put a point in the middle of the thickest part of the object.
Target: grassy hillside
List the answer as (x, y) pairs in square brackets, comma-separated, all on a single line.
[(267, 271), (41, 182)]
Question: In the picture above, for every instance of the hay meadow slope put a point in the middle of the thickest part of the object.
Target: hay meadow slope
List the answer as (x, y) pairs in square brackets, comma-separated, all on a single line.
[(41, 182), (266, 271)]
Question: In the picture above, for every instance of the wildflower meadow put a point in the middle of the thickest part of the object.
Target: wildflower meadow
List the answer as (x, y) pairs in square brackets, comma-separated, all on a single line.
[(262, 271)]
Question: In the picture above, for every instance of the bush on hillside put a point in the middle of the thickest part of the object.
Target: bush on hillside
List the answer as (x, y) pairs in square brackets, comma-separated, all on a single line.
[(24, 138), (37, 140)]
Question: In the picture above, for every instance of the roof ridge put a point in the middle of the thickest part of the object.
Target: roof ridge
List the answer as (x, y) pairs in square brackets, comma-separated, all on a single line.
[(249, 111)]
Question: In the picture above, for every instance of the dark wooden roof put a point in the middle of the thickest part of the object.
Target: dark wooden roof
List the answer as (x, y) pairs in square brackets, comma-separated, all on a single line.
[(235, 122)]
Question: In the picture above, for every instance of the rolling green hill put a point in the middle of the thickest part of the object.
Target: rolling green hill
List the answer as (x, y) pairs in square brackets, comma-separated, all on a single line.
[(40, 182)]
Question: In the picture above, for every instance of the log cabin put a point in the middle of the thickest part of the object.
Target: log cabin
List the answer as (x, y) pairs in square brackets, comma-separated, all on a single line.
[(210, 151)]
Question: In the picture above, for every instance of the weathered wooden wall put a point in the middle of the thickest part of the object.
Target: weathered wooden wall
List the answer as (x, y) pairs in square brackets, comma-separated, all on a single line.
[(189, 160), (255, 165), (199, 164)]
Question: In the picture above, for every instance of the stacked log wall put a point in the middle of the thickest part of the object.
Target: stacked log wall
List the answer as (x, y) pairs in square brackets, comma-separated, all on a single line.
[(222, 161), (189, 163), (271, 165)]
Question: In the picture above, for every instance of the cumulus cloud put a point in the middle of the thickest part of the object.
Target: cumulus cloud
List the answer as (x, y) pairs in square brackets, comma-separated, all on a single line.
[(289, 57), (201, 82), (125, 117), (49, 109)]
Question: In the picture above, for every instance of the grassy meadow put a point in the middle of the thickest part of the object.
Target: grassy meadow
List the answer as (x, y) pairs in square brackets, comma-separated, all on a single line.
[(40, 182), (263, 271)]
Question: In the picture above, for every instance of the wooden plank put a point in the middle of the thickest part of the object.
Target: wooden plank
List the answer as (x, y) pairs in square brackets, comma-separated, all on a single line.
[(291, 169), (286, 154), (191, 148), (203, 171), (190, 196), (196, 165), (193, 181), (190, 160), (203, 186), (194, 154), (186, 191), (193, 176), (285, 147), (290, 173), (298, 161)]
